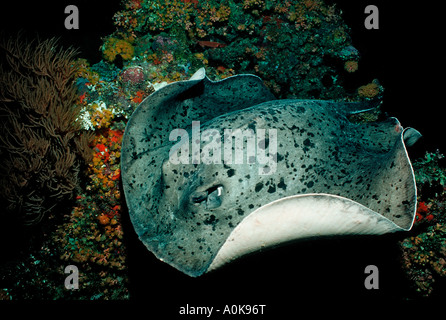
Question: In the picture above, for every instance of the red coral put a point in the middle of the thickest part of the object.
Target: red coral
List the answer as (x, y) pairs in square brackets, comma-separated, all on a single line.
[(418, 217), (139, 97), (116, 175), (100, 147), (422, 212), (82, 98), (422, 207)]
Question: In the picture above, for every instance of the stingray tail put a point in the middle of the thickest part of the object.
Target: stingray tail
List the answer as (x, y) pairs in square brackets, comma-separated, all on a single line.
[(363, 106)]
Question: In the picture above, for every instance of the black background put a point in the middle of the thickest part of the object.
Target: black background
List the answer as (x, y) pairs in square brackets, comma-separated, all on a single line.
[(405, 55)]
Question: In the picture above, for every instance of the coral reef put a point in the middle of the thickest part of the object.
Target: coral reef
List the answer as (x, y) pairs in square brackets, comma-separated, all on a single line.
[(40, 140), (92, 235), (298, 48), (89, 237), (94, 221), (423, 255)]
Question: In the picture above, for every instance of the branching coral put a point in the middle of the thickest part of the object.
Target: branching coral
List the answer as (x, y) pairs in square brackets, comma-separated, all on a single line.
[(40, 141)]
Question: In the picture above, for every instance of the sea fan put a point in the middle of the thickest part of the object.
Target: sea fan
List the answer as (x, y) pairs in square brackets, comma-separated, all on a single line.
[(41, 144)]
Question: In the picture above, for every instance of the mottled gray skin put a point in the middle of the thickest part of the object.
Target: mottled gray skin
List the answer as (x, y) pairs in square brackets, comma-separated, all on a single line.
[(184, 213)]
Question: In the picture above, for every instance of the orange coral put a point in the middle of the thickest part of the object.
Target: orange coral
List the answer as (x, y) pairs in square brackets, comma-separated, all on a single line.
[(104, 219)]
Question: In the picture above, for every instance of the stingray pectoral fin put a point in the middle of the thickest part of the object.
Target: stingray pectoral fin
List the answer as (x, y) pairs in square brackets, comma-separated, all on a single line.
[(300, 217)]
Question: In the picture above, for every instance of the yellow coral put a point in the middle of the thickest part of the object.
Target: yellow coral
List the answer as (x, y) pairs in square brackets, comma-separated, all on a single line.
[(200, 56), (113, 47), (370, 90)]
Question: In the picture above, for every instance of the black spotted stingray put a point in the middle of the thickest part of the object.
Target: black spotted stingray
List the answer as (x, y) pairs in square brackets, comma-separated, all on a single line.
[(215, 170)]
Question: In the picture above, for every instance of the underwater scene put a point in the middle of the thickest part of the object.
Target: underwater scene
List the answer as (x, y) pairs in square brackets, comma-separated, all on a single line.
[(219, 158)]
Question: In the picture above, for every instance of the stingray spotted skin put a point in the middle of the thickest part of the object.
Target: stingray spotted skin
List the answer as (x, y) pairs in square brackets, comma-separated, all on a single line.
[(331, 176)]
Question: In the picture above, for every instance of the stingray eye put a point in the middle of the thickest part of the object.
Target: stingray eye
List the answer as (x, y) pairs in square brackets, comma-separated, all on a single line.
[(199, 197), (214, 197)]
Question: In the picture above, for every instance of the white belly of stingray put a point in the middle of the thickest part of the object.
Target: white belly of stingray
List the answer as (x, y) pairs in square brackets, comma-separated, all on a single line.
[(299, 217)]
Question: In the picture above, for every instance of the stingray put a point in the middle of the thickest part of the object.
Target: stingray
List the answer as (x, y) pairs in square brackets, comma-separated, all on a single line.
[(213, 171)]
